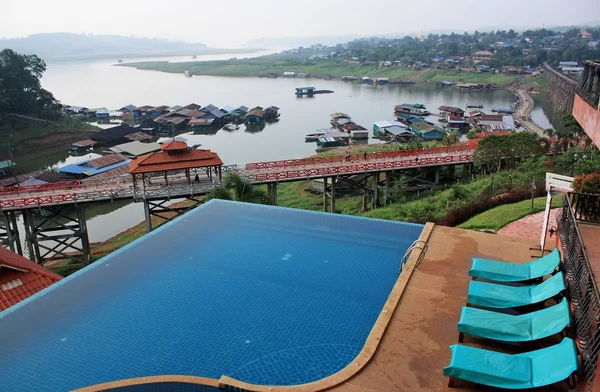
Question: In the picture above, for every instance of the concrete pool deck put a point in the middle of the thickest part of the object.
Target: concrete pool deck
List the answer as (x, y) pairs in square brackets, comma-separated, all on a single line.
[(414, 348)]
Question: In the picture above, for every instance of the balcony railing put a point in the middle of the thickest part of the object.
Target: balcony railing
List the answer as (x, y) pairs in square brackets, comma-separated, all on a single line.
[(590, 83), (583, 292), (586, 207)]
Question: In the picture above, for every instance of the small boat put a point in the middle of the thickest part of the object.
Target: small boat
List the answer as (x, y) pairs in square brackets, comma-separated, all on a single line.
[(231, 127), (187, 74), (474, 106), (120, 60)]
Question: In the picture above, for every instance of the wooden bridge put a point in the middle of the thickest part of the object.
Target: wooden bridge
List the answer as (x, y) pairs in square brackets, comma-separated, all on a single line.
[(53, 233)]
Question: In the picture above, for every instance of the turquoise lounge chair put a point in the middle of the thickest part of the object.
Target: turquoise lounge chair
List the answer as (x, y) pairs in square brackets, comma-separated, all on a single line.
[(514, 328), (493, 295), (528, 370), (501, 271)]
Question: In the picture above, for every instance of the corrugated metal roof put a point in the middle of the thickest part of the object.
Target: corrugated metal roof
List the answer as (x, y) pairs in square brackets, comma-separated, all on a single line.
[(201, 121), (139, 136), (83, 143), (135, 148), (105, 161)]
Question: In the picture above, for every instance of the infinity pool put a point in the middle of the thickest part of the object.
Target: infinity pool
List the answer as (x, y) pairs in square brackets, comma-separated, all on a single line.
[(265, 295)]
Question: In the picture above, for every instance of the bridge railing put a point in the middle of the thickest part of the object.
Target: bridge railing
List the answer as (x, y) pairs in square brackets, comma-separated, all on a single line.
[(589, 89), (62, 186), (356, 157), (357, 167)]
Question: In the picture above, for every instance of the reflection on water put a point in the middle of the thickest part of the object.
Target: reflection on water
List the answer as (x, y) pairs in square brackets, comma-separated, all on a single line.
[(544, 115)]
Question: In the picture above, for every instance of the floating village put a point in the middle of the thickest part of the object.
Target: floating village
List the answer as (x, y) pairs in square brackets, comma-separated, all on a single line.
[(140, 130)]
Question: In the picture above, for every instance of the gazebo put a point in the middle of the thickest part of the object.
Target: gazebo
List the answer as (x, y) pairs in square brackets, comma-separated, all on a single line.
[(175, 156)]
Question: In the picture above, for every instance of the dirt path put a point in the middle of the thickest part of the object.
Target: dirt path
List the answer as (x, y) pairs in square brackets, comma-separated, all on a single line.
[(523, 113)]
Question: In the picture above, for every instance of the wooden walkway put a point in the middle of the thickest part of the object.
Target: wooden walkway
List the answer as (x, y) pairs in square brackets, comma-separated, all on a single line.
[(24, 197)]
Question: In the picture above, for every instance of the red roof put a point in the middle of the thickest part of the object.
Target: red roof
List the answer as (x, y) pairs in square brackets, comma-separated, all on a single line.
[(21, 278), (162, 161), (174, 145)]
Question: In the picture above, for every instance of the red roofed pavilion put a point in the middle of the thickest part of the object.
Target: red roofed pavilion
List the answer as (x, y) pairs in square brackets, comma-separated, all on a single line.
[(21, 278), (175, 156)]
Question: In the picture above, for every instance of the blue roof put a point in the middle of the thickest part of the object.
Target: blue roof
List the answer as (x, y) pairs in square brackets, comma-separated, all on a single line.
[(227, 109), (292, 302), (82, 168), (483, 66)]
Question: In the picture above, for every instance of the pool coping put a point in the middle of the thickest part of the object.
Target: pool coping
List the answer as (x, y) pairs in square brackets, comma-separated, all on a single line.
[(353, 368)]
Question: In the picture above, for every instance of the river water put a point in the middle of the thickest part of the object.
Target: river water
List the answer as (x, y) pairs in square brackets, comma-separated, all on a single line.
[(101, 84)]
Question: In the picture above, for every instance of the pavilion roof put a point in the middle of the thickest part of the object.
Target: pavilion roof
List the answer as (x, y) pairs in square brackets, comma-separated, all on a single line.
[(174, 145), (162, 161)]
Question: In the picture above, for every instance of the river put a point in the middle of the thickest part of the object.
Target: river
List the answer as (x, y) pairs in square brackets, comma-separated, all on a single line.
[(101, 84)]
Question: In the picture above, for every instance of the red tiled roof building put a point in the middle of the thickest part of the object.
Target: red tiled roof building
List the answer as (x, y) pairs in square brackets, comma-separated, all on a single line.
[(21, 278), (176, 156)]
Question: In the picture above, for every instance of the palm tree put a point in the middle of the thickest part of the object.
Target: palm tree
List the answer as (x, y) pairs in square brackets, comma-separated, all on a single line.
[(237, 188)]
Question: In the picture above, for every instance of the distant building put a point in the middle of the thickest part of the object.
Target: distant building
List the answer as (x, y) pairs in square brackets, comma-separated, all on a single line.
[(482, 56), (289, 74), (585, 34), (568, 64), (575, 71)]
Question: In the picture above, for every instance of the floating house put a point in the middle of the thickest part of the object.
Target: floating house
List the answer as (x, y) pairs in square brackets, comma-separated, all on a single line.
[(382, 80), (366, 79), (202, 123), (96, 166), (389, 129), (134, 149), (313, 137), (271, 113), (239, 112), (114, 135), (416, 109), (193, 106), (208, 108), (255, 115), (503, 110), (289, 74), (458, 123), (450, 110), (83, 145), (76, 110), (138, 136), (332, 141), (428, 131), (227, 109)]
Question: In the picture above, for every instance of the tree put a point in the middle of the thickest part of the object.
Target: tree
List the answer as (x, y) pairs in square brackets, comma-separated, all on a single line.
[(20, 88), (237, 188), (472, 134), (451, 138), (492, 149)]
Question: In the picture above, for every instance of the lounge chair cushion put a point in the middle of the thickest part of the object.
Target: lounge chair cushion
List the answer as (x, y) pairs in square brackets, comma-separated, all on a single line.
[(528, 370), (502, 296), (515, 328), (501, 271)]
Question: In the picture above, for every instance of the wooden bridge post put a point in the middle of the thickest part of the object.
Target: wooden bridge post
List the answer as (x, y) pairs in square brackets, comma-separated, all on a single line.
[(437, 176), (11, 236), (272, 191), (325, 194), (375, 177), (147, 216), (388, 180), (85, 239), (30, 238), (332, 195)]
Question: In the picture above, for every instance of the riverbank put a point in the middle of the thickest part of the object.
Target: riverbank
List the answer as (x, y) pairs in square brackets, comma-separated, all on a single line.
[(33, 141), (274, 64)]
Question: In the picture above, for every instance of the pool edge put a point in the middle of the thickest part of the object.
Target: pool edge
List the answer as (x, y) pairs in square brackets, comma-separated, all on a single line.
[(368, 350)]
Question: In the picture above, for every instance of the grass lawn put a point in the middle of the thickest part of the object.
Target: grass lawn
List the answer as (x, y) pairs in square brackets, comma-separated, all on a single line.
[(278, 65), (498, 217)]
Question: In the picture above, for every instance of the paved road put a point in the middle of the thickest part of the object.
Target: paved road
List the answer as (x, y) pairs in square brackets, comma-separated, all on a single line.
[(523, 113)]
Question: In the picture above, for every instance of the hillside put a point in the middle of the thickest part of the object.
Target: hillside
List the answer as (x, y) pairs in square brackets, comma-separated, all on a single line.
[(66, 45)]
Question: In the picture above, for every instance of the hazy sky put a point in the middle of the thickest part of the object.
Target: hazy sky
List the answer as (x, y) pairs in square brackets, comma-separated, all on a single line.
[(234, 22)]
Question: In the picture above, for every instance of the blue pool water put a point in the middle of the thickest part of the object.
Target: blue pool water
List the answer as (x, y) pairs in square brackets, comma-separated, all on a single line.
[(262, 294)]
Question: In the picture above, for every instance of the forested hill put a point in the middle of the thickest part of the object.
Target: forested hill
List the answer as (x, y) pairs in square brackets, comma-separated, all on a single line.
[(59, 45)]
